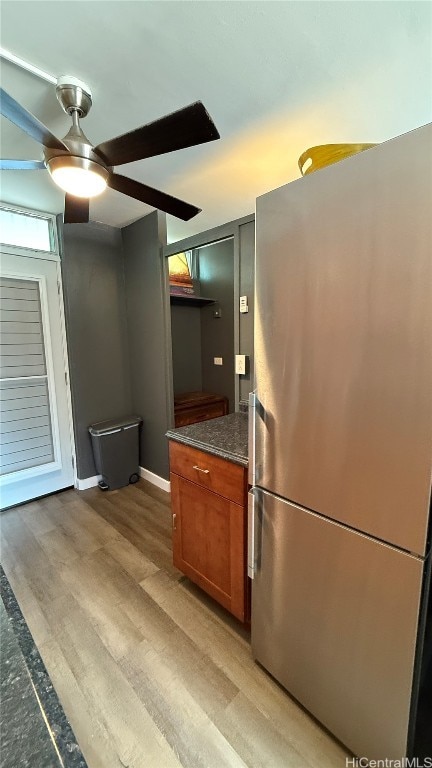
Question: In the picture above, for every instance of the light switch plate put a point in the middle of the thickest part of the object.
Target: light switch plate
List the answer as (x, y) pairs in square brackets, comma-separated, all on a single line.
[(244, 305), (218, 360)]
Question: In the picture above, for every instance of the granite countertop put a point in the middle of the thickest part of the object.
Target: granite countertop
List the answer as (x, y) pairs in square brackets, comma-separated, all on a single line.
[(226, 436)]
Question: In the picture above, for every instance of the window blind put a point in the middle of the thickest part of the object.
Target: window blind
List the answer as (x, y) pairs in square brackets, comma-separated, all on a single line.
[(25, 422)]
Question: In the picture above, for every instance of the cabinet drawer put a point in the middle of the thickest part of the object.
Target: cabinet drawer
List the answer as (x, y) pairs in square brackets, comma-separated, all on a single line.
[(211, 472)]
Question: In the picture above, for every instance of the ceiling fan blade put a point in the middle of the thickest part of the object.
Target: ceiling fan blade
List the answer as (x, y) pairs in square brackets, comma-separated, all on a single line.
[(152, 197), (27, 122), (21, 165), (76, 210), (185, 128)]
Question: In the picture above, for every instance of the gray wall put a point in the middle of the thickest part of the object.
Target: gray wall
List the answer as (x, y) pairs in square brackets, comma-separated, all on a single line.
[(186, 348), (216, 273), (148, 317), (95, 313), (117, 301), (246, 288)]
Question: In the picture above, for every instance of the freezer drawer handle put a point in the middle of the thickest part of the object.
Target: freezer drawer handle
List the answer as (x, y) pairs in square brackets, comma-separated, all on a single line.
[(206, 471), (251, 534), (251, 437)]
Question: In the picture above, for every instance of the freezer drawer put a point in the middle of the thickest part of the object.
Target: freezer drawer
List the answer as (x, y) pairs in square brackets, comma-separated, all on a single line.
[(334, 619)]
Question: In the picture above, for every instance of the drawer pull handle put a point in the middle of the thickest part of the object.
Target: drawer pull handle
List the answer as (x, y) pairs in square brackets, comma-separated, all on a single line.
[(206, 471), (174, 522)]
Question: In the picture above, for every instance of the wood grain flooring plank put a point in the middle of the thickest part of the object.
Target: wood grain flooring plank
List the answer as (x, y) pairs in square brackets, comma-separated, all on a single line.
[(133, 528), (256, 739), (82, 526), (35, 518), (93, 738), (160, 584), (157, 513), (137, 565), (51, 502), (89, 514), (115, 629), (232, 655), (58, 546), (104, 703), (205, 681), (91, 581), (112, 700), (88, 518), (153, 623), (152, 492), (108, 572), (25, 596), (160, 512), (65, 497), (186, 727), (25, 549), (157, 524), (118, 607)]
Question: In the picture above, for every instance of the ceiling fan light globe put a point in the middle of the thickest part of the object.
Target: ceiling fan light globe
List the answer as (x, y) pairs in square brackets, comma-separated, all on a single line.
[(78, 182), (78, 176)]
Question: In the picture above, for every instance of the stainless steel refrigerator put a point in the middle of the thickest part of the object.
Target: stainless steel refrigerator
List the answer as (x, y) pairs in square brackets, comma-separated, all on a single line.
[(341, 445)]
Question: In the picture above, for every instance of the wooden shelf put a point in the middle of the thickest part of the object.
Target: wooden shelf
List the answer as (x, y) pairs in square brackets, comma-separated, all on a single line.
[(191, 407), (190, 301)]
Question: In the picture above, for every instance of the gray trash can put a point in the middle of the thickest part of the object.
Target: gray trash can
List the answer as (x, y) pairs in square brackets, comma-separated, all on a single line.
[(116, 451)]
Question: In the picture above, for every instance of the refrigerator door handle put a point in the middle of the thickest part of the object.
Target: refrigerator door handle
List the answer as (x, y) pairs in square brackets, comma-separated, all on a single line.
[(252, 437), (251, 534)]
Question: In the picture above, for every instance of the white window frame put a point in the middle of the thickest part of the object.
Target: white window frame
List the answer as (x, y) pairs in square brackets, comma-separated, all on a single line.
[(53, 254)]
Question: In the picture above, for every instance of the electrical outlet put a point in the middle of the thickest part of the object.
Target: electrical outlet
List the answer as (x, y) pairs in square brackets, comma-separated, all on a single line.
[(218, 361), (240, 364)]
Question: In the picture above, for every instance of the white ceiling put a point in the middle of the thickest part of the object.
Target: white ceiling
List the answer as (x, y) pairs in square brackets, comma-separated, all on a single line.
[(277, 78)]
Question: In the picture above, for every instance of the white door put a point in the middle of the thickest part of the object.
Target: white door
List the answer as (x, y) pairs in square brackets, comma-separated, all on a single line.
[(36, 444)]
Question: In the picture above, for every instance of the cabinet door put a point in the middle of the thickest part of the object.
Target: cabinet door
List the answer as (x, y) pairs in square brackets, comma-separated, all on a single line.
[(208, 542)]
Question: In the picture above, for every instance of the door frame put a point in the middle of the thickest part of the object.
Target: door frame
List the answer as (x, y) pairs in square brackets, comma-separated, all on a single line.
[(227, 231), (52, 255)]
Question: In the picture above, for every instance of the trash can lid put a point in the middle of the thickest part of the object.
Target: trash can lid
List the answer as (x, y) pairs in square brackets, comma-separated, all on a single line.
[(111, 425)]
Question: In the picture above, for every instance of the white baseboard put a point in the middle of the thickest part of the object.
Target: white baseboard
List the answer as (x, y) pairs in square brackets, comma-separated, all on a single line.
[(91, 482), (160, 482), (88, 482)]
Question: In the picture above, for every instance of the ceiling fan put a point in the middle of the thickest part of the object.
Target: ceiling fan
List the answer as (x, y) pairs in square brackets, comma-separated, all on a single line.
[(84, 171)]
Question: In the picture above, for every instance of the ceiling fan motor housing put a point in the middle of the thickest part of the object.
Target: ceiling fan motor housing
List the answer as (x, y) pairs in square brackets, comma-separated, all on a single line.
[(75, 98), (74, 95)]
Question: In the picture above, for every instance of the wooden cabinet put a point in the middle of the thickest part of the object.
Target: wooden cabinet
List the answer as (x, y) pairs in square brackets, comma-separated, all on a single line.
[(191, 407), (209, 524)]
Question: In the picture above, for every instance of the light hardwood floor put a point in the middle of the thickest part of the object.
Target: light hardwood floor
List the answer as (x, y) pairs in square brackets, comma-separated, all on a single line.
[(151, 673)]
